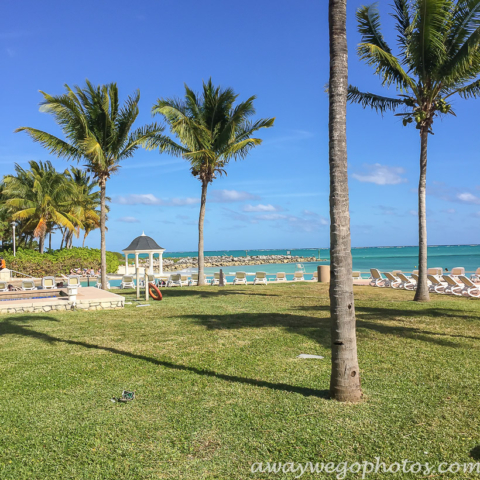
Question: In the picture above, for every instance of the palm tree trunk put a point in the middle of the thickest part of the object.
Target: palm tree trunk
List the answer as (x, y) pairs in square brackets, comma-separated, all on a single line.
[(201, 218), (345, 376), (103, 256), (50, 241), (63, 238), (41, 243), (421, 294), (84, 238)]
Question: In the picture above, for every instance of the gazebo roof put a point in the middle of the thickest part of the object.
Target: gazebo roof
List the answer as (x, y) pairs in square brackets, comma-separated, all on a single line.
[(142, 243)]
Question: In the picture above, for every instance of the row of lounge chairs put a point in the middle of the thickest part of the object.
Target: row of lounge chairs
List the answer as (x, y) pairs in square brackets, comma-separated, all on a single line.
[(48, 283), (455, 283), (183, 280)]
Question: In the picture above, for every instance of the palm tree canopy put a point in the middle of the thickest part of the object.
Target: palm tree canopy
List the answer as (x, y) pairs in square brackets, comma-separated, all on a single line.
[(210, 128), (439, 56), (39, 197), (96, 128)]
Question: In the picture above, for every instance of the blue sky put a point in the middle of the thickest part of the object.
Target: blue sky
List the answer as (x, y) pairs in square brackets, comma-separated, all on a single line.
[(277, 50)]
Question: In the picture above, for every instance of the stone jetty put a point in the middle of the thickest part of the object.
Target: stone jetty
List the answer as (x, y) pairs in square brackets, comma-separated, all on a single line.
[(173, 264)]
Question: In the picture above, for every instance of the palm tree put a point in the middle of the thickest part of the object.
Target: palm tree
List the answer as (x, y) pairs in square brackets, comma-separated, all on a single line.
[(439, 56), (86, 202), (211, 132), (345, 376), (39, 197), (97, 130)]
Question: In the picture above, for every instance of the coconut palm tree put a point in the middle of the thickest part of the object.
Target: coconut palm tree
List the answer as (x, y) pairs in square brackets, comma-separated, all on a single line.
[(40, 198), (345, 378), (211, 131), (97, 130), (439, 57)]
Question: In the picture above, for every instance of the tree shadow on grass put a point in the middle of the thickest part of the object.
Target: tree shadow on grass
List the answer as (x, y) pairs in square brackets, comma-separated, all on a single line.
[(475, 452), (318, 328), (366, 314), (12, 327)]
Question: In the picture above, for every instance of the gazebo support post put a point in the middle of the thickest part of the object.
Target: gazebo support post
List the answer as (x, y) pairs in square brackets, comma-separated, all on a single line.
[(138, 283), (150, 264), (126, 264)]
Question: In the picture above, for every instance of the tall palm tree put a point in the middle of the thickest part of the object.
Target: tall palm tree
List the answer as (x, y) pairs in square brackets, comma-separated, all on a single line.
[(97, 130), (211, 131), (345, 376), (439, 56), (40, 197), (86, 202)]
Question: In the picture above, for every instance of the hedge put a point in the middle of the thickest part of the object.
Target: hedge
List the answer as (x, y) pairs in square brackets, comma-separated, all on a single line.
[(57, 262)]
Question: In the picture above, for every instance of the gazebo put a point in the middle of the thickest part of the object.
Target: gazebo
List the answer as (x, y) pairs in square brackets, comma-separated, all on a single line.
[(144, 244)]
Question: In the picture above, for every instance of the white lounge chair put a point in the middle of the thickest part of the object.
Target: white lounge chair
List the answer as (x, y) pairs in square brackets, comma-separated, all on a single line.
[(457, 271), (216, 279), (476, 276), (391, 281), (282, 277), (437, 271), (48, 283), (194, 279), (28, 285), (356, 275), (396, 272), (184, 280), (127, 282), (175, 280), (301, 267), (453, 286), (376, 278), (150, 279), (435, 284), (406, 283), (298, 277), (240, 278), (470, 289), (260, 278), (99, 283), (74, 280), (3, 287)]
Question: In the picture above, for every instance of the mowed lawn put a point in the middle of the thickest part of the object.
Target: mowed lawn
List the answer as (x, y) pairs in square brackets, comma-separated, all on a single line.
[(218, 385)]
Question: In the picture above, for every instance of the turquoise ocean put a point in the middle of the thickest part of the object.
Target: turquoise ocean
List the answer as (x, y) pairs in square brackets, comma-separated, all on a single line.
[(383, 258)]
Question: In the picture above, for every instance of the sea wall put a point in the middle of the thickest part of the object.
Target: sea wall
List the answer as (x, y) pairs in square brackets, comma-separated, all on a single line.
[(173, 264)]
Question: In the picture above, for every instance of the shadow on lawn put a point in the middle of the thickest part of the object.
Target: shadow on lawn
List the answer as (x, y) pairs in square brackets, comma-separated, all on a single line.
[(318, 328), (212, 292), (11, 326)]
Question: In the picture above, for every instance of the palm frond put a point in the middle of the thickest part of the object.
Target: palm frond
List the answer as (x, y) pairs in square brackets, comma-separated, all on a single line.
[(386, 66), (368, 19), (378, 103), (52, 144)]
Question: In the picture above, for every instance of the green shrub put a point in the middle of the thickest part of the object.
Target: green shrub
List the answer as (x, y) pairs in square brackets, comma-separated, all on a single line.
[(56, 262)]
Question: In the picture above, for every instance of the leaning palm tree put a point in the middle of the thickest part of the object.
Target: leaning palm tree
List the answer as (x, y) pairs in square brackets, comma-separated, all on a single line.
[(345, 375), (439, 56), (40, 198), (211, 131), (97, 130)]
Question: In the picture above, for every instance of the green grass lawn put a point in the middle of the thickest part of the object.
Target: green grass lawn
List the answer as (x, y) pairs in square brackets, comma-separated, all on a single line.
[(219, 386)]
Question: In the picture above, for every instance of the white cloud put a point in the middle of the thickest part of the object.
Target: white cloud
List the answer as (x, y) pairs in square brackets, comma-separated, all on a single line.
[(469, 198), (308, 222), (128, 220), (381, 175), (262, 208), (449, 210), (272, 216), (413, 212), (150, 199), (227, 196)]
